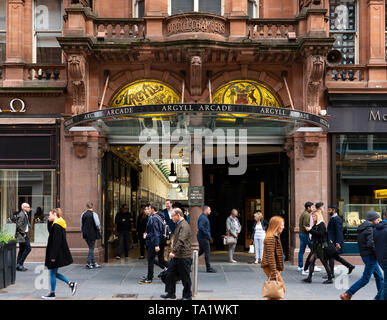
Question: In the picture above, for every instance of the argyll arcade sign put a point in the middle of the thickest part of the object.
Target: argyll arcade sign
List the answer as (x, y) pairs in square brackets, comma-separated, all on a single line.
[(222, 110)]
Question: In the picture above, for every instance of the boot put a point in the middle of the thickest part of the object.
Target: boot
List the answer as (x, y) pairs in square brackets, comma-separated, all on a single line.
[(308, 279), (329, 280)]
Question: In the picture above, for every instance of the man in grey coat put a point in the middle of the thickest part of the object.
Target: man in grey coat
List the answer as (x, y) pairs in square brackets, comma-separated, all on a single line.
[(21, 235)]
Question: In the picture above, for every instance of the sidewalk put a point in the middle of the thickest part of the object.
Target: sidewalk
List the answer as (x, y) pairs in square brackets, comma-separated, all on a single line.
[(119, 280)]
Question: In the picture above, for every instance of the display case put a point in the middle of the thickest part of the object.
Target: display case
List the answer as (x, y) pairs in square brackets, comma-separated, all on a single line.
[(354, 215)]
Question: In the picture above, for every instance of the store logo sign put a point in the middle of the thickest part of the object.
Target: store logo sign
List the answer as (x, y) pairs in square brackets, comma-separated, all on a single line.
[(377, 116), (15, 105)]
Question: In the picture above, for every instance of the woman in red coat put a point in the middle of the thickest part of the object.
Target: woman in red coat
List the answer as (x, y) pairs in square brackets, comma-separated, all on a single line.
[(57, 252)]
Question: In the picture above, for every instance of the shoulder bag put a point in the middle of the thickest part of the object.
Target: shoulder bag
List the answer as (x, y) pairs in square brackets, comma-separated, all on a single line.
[(273, 289)]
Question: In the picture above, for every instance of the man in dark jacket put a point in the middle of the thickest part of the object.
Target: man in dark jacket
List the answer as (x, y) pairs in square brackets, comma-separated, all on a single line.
[(204, 237), (155, 243), (336, 238), (168, 219), (124, 222), (22, 227), (90, 228), (380, 238), (366, 244), (181, 260)]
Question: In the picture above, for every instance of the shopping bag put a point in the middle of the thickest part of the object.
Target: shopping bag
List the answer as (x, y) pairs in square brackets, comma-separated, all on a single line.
[(251, 249)]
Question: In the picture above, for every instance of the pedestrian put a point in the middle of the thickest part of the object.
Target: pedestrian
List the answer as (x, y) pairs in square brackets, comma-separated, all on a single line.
[(141, 228), (365, 240), (21, 235), (168, 219), (57, 252), (181, 261), (336, 238), (273, 255), (124, 222), (233, 228), (385, 216), (319, 242), (204, 237), (258, 235), (155, 244), (303, 234), (91, 232), (380, 238)]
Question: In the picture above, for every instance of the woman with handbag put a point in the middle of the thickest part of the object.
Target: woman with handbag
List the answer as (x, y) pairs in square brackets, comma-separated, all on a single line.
[(319, 246), (258, 235), (273, 260), (233, 228)]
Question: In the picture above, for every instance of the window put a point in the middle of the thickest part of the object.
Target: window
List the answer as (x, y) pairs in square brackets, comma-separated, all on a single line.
[(253, 8), (48, 26), (183, 6), (385, 26), (343, 27), (139, 8), (3, 27)]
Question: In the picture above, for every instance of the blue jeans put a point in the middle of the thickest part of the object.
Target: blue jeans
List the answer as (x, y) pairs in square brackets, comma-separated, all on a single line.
[(90, 256), (53, 275), (384, 267), (304, 241), (258, 248), (371, 268)]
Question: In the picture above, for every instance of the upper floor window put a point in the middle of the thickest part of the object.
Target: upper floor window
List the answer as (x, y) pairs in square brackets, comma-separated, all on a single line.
[(386, 29), (343, 27), (139, 8), (253, 8), (183, 6), (47, 26), (3, 27)]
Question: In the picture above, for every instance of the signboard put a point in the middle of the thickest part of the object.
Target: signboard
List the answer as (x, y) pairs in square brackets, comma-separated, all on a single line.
[(380, 194), (196, 196), (213, 109)]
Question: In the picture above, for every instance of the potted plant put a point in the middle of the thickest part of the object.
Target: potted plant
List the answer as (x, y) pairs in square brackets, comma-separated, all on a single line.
[(7, 259)]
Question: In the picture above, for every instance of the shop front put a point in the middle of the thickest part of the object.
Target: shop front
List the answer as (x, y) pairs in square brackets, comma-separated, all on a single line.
[(359, 159)]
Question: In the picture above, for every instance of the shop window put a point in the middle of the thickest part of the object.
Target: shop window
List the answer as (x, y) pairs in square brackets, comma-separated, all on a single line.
[(183, 6), (47, 26), (343, 27), (361, 166), (253, 8), (35, 187), (3, 27)]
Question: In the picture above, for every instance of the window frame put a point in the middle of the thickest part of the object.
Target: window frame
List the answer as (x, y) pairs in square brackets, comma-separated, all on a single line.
[(4, 32), (255, 8), (196, 6)]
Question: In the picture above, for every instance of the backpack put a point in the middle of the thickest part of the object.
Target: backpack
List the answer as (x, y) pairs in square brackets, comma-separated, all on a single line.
[(166, 233)]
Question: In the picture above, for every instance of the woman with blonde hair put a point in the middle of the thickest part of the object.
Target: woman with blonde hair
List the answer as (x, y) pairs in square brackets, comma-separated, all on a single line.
[(258, 235), (273, 256), (319, 242), (57, 251)]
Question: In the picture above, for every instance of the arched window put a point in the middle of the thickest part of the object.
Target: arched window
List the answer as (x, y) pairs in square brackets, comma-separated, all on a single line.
[(343, 27), (184, 6)]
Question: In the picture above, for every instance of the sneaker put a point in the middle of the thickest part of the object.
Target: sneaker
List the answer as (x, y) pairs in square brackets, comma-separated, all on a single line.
[(21, 268), (118, 257), (89, 266), (305, 273), (317, 269), (96, 265), (168, 296), (50, 296), (145, 281), (300, 269), (73, 287)]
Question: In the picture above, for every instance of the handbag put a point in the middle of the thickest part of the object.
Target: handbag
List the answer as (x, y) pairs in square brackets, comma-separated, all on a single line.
[(227, 240), (273, 289), (330, 249), (251, 249)]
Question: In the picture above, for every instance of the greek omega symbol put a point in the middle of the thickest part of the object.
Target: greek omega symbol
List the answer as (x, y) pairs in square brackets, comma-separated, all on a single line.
[(16, 107)]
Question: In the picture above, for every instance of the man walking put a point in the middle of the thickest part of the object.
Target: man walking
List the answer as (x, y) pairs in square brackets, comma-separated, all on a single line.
[(304, 235), (21, 235), (380, 238), (91, 231), (204, 237), (335, 236), (181, 260), (365, 239), (124, 222), (168, 219), (155, 243)]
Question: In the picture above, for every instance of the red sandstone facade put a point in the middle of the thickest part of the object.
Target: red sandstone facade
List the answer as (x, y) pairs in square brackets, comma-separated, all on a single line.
[(287, 41)]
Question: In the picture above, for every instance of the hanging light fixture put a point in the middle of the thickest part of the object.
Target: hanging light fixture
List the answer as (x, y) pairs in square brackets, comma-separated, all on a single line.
[(181, 190), (175, 184), (172, 175)]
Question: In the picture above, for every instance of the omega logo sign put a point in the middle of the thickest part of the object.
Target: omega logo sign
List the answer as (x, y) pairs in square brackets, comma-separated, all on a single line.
[(377, 116), (15, 105)]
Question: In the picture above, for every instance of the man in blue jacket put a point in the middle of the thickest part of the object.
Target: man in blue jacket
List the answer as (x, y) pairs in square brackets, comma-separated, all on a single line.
[(380, 238), (154, 242), (204, 237), (335, 236)]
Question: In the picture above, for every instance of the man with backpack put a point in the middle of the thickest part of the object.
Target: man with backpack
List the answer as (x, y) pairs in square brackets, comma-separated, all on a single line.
[(156, 232)]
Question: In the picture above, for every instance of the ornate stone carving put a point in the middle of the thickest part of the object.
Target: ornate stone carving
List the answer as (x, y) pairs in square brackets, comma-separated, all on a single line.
[(80, 144), (85, 3), (315, 74), (196, 23), (307, 3), (196, 76), (77, 73)]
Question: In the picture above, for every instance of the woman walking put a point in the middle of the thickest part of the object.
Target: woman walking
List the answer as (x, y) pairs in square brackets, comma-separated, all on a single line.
[(141, 228), (233, 228), (273, 256), (258, 235), (57, 251), (319, 242)]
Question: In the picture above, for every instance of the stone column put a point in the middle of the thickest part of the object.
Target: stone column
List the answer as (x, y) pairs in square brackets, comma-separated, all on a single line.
[(80, 177), (238, 18), (309, 179), (155, 12)]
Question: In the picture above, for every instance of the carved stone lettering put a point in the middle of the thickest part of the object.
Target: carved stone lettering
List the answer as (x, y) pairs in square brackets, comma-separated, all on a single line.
[(196, 24)]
